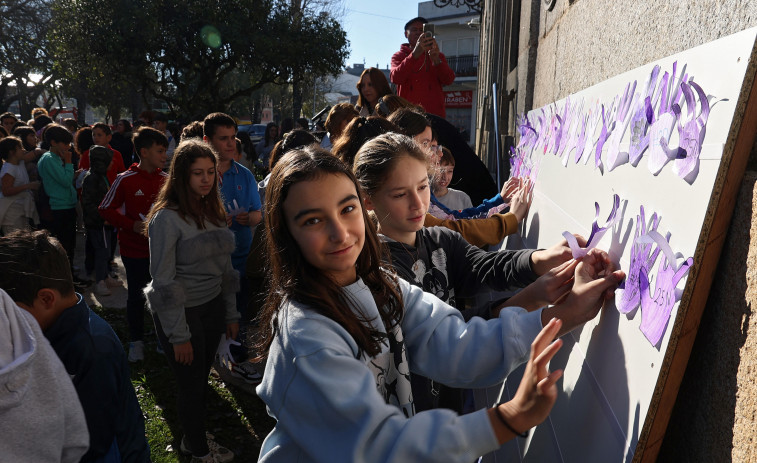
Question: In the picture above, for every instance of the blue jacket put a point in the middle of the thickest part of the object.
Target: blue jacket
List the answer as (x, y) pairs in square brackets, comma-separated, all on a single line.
[(239, 184), (95, 360), (472, 212), (331, 404)]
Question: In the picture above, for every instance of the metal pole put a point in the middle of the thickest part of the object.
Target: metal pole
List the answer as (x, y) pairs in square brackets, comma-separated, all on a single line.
[(496, 132)]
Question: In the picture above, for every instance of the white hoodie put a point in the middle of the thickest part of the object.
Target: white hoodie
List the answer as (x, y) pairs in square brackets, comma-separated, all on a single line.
[(41, 419)]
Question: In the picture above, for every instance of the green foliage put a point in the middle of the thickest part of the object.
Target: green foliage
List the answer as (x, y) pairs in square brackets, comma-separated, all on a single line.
[(196, 55), (24, 49)]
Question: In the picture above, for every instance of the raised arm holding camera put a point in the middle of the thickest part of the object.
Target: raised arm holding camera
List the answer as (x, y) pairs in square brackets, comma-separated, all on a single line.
[(420, 70)]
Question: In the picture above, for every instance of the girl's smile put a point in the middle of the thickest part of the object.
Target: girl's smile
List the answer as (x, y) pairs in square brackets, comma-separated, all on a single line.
[(325, 218)]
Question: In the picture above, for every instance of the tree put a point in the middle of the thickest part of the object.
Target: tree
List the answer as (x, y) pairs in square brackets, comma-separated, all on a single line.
[(26, 67), (195, 55)]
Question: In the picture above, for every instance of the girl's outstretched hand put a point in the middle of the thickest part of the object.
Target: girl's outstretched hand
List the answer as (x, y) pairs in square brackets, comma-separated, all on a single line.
[(594, 282), (521, 200), (537, 391), (510, 187), (549, 288), (544, 260)]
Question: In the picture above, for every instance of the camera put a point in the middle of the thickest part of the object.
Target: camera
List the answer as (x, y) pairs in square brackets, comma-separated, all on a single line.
[(428, 30)]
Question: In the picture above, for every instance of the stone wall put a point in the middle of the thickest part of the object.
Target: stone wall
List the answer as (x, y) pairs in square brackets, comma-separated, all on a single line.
[(584, 42), (715, 416)]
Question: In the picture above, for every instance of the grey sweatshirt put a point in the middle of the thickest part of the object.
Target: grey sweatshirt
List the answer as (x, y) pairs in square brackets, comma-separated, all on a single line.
[(41, 419), (189, 266)]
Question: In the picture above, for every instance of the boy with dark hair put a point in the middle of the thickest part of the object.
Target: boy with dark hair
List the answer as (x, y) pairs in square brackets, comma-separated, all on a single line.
[(35, 273), (240, 195), (101, 135), (125, 206), (57, 175), (160, 122), (99, 231), (455, 200), (215, 120), (8, 121)]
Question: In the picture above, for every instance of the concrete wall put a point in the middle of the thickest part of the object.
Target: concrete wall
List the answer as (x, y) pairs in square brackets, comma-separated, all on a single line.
[(585, 42)]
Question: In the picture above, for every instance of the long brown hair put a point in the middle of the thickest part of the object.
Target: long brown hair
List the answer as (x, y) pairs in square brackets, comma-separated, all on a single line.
[(292, 278), (378, 81), (175, 193)]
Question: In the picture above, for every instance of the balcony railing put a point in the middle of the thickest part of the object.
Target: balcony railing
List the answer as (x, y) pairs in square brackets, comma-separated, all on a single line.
[(464, 66)]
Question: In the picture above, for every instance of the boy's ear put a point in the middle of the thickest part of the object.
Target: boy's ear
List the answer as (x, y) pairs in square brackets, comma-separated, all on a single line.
[(368, 203), (43, 307), (46, 298)]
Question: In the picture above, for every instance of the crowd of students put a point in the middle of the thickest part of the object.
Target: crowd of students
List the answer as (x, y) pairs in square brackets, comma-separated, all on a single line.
[(351, 258)]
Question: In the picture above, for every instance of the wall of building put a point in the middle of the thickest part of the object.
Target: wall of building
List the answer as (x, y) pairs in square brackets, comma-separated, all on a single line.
[(537, 56), (585, 42)]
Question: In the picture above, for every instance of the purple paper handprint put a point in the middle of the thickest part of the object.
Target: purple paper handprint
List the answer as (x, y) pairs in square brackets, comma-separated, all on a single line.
[(657, 307), (561, 135), (583, 149), (577, 120), (691, 133), (642, 115), (615, 157), (603, 136), (597, 232), (662, 127), (630, 297)]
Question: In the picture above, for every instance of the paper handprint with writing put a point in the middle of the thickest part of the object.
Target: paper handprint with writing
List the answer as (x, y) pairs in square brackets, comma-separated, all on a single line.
[(657, 305), (643, 255)]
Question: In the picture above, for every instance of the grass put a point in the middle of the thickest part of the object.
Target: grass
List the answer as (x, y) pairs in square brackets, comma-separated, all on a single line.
[(237, 418)]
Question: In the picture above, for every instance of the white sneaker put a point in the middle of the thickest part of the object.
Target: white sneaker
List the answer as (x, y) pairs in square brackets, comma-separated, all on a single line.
[(112, 282), (218, 453), (244, 370), (101, 289), (136, 351)]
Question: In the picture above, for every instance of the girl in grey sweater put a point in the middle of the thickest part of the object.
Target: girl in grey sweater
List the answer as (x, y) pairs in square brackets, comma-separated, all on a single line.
[(193, 287)]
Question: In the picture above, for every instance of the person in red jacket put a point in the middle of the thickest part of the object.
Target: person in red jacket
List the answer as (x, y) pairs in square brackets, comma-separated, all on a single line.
[(420, 70), (125, 206), (101, 135)]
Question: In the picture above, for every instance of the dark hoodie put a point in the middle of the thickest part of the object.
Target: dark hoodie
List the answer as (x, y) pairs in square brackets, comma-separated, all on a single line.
[(95, 186)]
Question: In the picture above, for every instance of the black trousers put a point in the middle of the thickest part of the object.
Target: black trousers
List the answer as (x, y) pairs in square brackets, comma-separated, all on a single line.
[(137, 277), (206, 324), (63, 227)]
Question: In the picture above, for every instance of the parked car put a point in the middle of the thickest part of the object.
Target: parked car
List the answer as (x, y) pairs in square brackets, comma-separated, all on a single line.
[(256, 131)]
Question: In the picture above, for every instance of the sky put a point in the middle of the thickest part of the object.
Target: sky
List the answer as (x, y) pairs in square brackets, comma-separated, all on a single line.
[(375, 29)]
